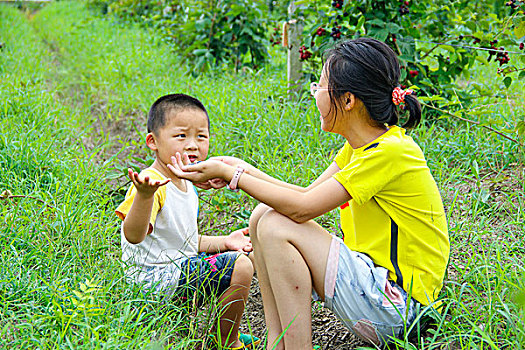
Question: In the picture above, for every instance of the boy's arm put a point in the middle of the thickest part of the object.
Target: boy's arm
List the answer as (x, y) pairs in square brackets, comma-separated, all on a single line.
[(211, 244), (236, 241), (137, 222)]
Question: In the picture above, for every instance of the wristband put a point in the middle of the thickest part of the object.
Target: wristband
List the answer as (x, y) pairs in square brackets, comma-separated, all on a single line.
[(235, 179)]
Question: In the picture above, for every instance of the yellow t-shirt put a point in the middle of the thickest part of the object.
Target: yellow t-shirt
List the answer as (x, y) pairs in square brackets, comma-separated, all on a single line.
[(396, 215)]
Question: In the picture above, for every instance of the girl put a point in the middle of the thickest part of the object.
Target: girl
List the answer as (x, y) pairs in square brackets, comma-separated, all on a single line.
[(396, 247)]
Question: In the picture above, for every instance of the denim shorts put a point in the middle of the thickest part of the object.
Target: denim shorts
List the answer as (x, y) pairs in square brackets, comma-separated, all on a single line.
[(198, 276), (362, 297), (205, 275)]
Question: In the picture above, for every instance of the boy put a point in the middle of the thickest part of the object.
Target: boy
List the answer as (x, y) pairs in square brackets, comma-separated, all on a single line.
[(159, 234)]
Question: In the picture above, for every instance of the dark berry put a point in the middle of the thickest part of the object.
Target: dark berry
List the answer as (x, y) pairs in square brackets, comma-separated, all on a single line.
[(305, 54), (403, 10), (522, 45)]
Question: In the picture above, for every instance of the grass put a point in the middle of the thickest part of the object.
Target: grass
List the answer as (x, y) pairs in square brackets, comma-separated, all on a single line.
[(75, 89)]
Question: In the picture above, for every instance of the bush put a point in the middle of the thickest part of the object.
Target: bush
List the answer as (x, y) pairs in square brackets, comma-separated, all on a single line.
[(436, 41), (209, 33)]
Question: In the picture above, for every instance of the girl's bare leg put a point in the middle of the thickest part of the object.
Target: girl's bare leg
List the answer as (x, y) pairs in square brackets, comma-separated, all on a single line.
[(233, 301), (293, 257), (271, 315)]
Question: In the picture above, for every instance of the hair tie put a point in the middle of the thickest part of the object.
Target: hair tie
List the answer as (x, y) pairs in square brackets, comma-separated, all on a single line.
[(398, 95)]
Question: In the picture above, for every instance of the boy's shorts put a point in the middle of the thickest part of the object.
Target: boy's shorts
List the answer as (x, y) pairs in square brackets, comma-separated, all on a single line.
[(199, 276), (361, 296), (206, 274)]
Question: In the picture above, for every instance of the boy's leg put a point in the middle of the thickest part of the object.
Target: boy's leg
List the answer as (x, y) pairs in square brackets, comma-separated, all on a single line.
[(295, 257), (271, 315), (233, 301)]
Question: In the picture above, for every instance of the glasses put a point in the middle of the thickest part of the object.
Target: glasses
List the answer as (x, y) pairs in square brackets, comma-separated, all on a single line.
[(314, 87)]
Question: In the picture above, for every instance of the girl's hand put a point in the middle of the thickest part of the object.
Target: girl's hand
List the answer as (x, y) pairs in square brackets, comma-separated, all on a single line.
[(234, 162), (198, 173), (239, 241), (145, 185)]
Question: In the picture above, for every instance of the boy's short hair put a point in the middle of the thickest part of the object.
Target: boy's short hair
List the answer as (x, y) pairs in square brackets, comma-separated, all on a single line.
[(160, 109)]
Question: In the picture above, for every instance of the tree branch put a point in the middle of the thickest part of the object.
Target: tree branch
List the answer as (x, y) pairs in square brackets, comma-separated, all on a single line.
[(475, 122)]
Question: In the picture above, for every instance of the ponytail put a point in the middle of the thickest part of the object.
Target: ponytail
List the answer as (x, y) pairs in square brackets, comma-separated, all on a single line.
[(414, 111)]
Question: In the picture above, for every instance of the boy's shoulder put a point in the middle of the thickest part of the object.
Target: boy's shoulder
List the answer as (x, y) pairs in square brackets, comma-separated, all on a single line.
[(152, 173)]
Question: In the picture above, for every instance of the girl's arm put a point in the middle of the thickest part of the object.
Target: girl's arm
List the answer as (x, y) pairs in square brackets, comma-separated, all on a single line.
[(322, 196), (250, 169), (300, 206)]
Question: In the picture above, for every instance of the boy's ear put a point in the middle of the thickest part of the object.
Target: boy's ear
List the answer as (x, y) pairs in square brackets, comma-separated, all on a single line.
[(348, 101), (150, 142)]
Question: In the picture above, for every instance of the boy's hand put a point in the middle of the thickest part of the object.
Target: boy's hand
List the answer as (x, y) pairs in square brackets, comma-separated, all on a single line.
[(239, 241), (145, 185), (213, 183)]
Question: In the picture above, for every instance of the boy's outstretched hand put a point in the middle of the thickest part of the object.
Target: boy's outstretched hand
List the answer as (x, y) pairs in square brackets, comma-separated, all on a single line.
[(146, 185), (239, 241)]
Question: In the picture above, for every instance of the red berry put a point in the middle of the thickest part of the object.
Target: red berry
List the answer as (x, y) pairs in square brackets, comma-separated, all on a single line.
[(522, 45), (406, 2), (413, 73)]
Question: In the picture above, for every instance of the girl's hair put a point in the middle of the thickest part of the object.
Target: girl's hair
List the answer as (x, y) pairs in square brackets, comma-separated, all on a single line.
[(369, 69)]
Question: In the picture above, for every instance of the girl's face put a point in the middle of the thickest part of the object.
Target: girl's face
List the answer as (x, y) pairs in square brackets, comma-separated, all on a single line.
[(322, 100)]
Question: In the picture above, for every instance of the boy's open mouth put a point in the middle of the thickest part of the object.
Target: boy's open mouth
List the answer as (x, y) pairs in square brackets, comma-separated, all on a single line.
[(192, 158)]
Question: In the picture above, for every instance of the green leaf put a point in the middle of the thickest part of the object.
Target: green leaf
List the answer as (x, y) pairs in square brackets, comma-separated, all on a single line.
[(360, 22), (432, 98), (377, 22), (200, 52), (471, 25), (522, 74), (520, 127), (393, 28), (475, 168), (406, 58), (482, 59), (519, 30), (448, 48), (507, 81)]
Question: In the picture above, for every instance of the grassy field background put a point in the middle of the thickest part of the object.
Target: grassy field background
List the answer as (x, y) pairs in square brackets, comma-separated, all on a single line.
[(74, 92)]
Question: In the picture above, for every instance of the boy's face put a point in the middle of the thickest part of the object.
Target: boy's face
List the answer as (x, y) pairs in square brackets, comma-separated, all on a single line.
[(185, 131)]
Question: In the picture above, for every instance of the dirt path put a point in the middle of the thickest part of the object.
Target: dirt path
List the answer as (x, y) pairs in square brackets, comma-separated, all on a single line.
[(327, 331)]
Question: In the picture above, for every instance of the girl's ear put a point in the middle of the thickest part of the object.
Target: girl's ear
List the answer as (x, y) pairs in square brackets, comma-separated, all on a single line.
[(150, 142), (348, 101)]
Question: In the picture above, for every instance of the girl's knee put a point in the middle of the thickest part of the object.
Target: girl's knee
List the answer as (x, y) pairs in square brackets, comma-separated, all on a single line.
[(259, 211), (273, 225)]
